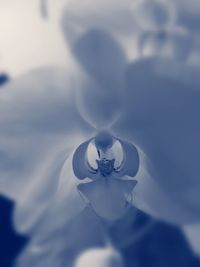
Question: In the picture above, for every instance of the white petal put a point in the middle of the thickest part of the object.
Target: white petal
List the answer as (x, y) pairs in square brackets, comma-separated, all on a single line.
[(116, 17), (80, 167), (192, 233), (100, 257), (102, 57), (161, 117), (40, 126), (100, 106)]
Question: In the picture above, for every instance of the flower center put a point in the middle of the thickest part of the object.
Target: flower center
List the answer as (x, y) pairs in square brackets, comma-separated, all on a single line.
[(104, 154), (106, 166)]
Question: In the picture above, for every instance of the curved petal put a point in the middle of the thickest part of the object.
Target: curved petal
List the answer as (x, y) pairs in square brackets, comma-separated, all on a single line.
[(63, 244), (161, 117), (192, 233), (102, 57), (131, 159), (96, 104), (100, 257), (40, 126), (175, 44), (149, 197), (188, 14), (82, 16), (154, 14), (62, 230), (79, 161), (108, 197), (61, 209)]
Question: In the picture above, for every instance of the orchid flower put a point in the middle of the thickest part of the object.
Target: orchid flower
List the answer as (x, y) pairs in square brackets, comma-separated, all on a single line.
[(75, 138), (43, 127)]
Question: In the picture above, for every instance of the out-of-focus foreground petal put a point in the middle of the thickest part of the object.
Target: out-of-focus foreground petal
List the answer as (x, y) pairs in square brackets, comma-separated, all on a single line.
[(60, 246), (100, 257), (192, 233), (40, 126), (162, 118)]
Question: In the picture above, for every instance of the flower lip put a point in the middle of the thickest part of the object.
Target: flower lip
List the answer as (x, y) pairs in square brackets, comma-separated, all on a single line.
[(106, 166)]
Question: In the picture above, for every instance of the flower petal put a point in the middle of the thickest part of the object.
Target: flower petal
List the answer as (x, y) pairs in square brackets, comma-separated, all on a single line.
[(79, 161), (96, 103), (102, 57), (100, 257), (192, 233), (149, 197), (80, 17), (131, 159), (39, 122), (61, 208), (161, 117)]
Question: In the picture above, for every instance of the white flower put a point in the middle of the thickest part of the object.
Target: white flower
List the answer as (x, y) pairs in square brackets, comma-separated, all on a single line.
[(42, 123), (150, 106)]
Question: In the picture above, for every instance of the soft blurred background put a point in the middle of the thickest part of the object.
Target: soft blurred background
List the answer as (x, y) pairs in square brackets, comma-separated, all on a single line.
[(31, 36)]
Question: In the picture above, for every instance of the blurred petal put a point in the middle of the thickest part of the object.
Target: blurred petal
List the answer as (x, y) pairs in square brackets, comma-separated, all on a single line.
[(39, 122), (161, 118), (188, 14), (176, 44), (100, 257), (149, 197), (63, 206), (116, 17), (192, 233), (63, 244), (102, 56), (103, 59), (95, 103), (154, 14)]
